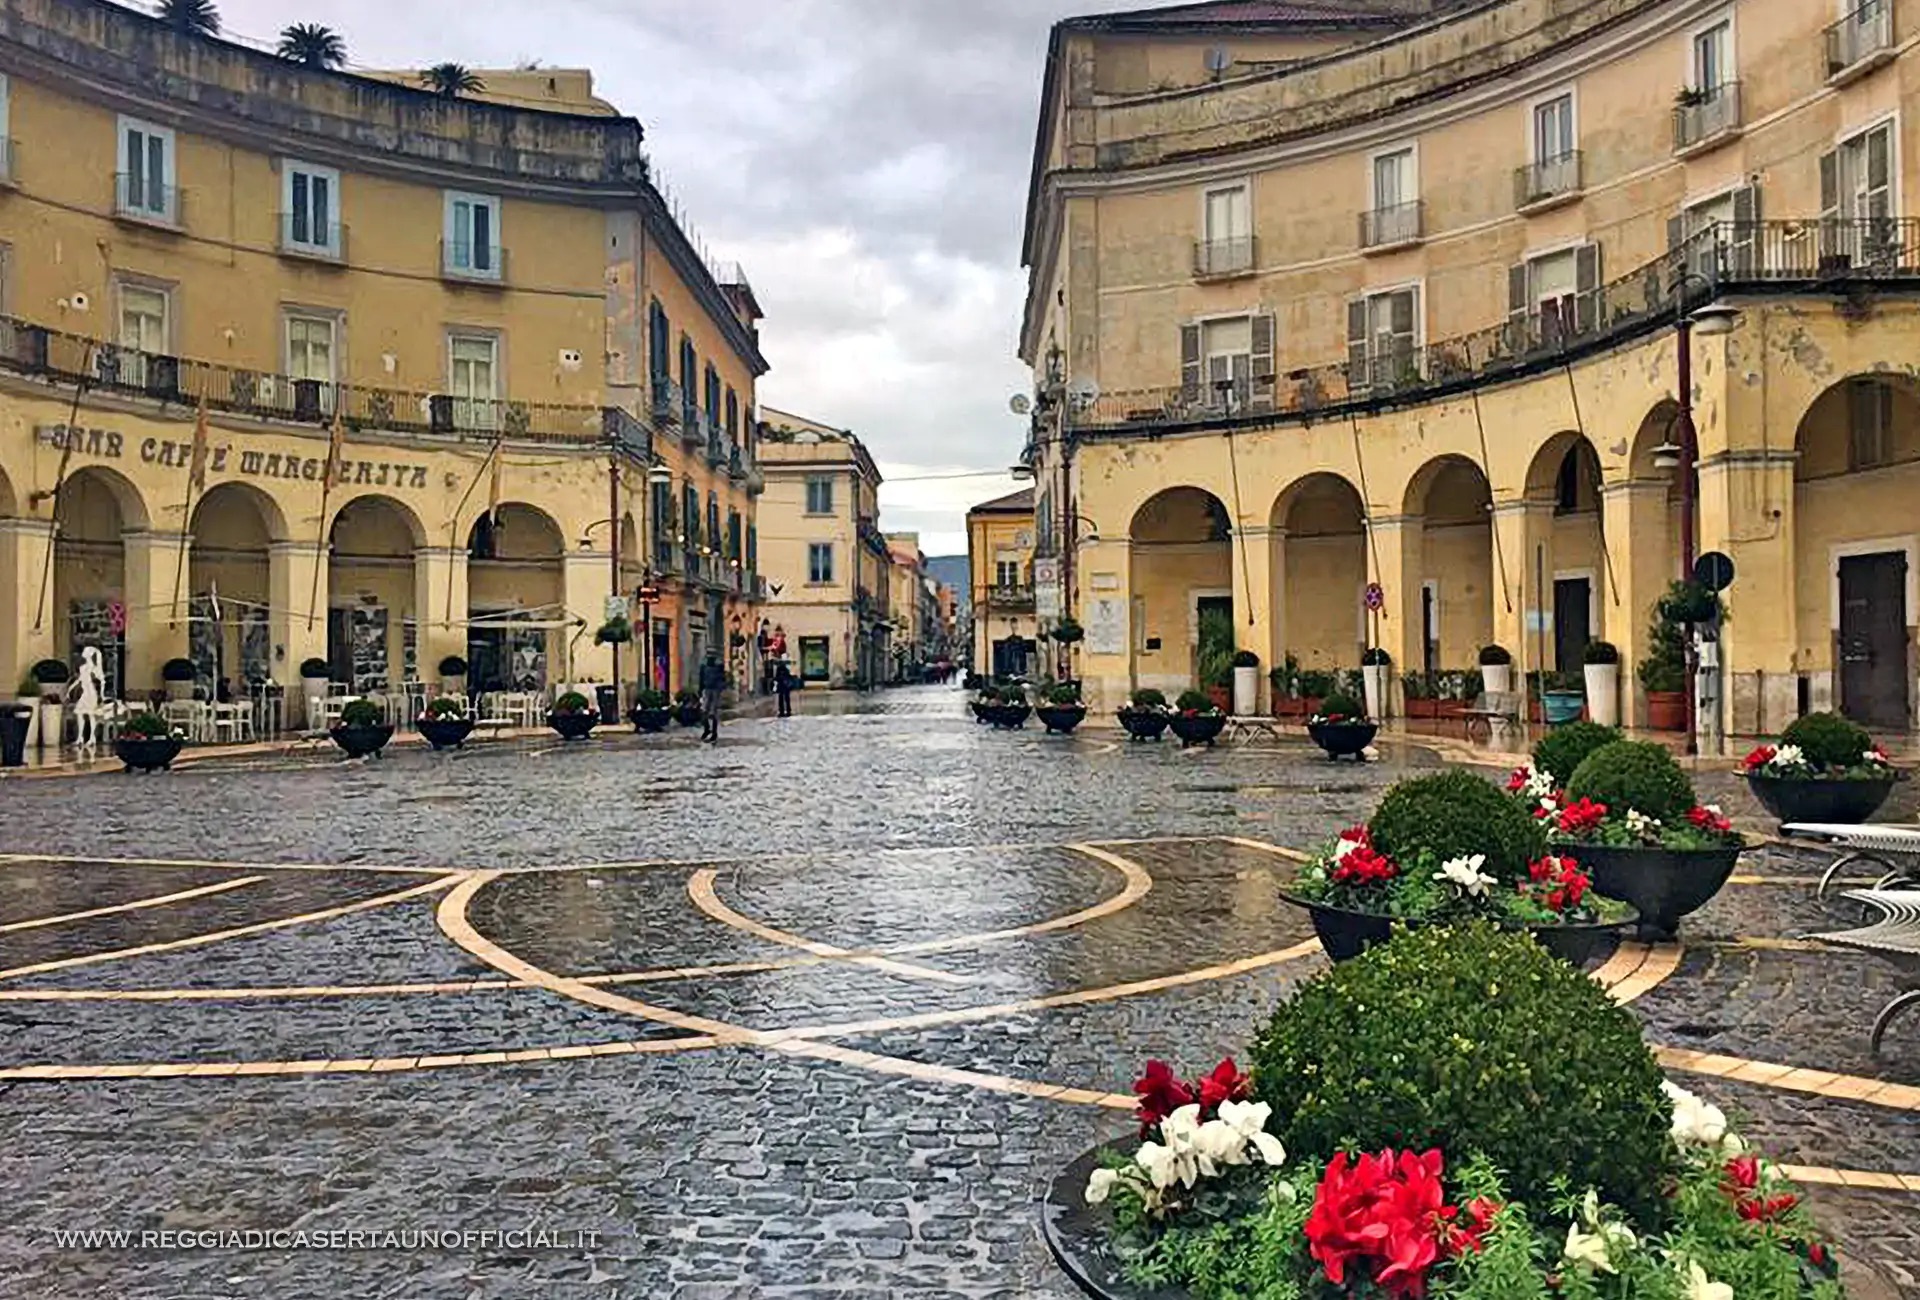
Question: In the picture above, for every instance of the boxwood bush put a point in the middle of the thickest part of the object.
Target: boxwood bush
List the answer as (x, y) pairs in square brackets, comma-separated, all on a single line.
[(1345, 705), (1478, 1042), (1828, 740), (1637, 775), (1149, 698), (1456, 814), (1194, 702), (1564, 748), (360, 713)]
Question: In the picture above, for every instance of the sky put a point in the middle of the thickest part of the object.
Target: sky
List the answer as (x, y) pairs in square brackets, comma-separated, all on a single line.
[(865, 160)]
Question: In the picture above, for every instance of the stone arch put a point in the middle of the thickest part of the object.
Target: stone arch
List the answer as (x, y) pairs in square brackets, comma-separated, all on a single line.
[(95, 510), (1565, 478), (1656, 427), (1447, 541), (1856, 542), (372, 635), (516, 584), (1182, 576), (230, 581), (1318, 552), (9, 503)]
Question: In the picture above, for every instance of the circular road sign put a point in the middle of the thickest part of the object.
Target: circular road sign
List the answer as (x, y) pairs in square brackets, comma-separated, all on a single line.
[(1376, 597), (1714, 571)]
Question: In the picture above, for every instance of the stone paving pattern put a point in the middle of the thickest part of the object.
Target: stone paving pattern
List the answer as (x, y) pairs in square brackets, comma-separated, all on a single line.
[(737, 1170)]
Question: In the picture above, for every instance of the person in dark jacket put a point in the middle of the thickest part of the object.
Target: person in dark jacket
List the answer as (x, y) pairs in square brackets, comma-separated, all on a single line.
[(713, 680), (783, 683)]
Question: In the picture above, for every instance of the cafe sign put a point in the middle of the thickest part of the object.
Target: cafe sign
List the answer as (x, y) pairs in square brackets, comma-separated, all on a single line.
[(229, 458)]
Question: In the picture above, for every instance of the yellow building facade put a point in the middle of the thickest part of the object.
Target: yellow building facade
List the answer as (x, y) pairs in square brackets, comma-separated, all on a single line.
[(1399, 310), (1000, 552), (301, 365)]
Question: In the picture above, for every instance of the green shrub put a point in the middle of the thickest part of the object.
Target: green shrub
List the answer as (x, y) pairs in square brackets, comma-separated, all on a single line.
[(1477, 1042), (1149, 698), (360, 713), (1375, 657), (571, 702), (52, 672), (1345, 705), (315, 667), (1456, 814), (453, 666), (1828, 740), (1063, 694), (1564, 748), (182, 670), (1245, 659), (1069, 632), (1630, 774), (1601, 652), (445, 708), (145, 726), (1191, 701), (647, 698)]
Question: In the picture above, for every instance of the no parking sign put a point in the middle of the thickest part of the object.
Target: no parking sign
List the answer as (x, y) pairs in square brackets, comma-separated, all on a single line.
[(1375, 597)]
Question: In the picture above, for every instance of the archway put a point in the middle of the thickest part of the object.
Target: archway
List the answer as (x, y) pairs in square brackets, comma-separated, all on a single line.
[(1572, 576), (372, 641), (1856, 533), (95, 509), (516, 597), (1448, 502), (1320, 528), (229, 576), (1182, 585)]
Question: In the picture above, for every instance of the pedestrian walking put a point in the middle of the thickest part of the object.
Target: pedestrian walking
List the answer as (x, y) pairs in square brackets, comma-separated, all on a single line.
[(713, 680), (783, 683)]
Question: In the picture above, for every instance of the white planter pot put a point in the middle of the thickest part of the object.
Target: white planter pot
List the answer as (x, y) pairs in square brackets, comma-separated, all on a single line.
[(1603, 693), (1246, 691), (53, 724), (33, 718), (454, 687), (1497, 677), (1374, 679), (311, 689)]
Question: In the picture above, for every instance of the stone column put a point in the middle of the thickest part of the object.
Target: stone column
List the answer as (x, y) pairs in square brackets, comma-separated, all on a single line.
[(588, 582), (439, 607), (1746, 508), (1397, 541), (297, 614), (28, 634), (1253, 615), (1635, 523), (158, 603), (1522, 552)]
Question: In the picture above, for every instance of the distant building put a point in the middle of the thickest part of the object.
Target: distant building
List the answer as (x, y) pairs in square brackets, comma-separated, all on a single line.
[(1000, 550)]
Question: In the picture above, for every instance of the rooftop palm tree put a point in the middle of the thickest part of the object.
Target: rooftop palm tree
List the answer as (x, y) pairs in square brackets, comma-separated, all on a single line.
[(196, 16), (451, 80), (313, 45)]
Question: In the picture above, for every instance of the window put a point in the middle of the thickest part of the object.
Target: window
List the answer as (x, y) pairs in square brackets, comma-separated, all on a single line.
[(1554, 296), (6, 131), (1869, 419), (713, 398), (145, 185), (473, 236), (819, 562), (1395, 216), (1227, 364), (1857, 200), (689, 394), (733, 417), (819, 496), (309, 220), (1006, 573), (659, 343), (1719, 233), (1383, 339), (1553, 129), (310, 356), (1226, 237), (1393, 179), (143, 319), (471, 378), (1713, 58)]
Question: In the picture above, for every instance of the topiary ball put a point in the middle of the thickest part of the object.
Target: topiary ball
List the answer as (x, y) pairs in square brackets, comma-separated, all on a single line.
[(1477, 1042), (1828, 740), (1343, 704), (1637, 775), (1564, 748), (1456, 814)]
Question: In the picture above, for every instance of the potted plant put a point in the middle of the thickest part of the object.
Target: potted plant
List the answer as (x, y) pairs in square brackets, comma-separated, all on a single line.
[(573, 715), (1284, 683), (1068, 631), (1060, 709), (1663, 672), (1560, 699), (615, 631), (1600, 666), (1145, 715), (1496, 668), (1315, 686), (651, 711), (1414, 1123), (686, 708), (1823, 769), (1005, 707), (315, 678), (179, 675), (1196, 719), (1341, 727), (1418, 689), (1458, 690), (1246, 683), (1556, 758), (453, 675), (445, 722), (361, 731), (51, 677), (147, 744), (1631, 817)]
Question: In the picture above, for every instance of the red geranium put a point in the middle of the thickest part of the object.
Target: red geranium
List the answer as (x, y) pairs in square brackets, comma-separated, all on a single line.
[(1743, 1181), (1468, 1235), (1382, 1216), (1556, 883), (1582, 816), (1226, 1083), (1518, 781), (1759, 758), (1709, 819), (1160, 1093)]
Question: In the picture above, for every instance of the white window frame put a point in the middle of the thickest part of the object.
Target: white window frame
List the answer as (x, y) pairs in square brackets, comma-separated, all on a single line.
[(1851, 134), (455, 237), (1419, 287), (481, 413), (330, 247), (6, 130), (1411, 148), (1731, 71), (169, 169), (820, 548), (1569, 93), (329, 384), (1244, 185), (825, 480)]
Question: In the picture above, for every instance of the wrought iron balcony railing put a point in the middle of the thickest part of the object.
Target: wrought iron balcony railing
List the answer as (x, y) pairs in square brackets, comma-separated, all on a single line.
[(1861, 40), (1706, 116), (1545, 181), (665, 402), (1009, 596), (1220, 259), (1393, 227), (141, 198)]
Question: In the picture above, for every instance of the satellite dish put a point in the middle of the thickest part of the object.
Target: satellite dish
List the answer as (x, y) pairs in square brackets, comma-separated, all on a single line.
[(1218, 60), (1020, 404), (1083, 391)]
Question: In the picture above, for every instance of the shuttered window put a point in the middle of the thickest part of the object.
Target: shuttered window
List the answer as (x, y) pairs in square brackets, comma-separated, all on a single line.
[(1227, 364), (1383, 339), (1553, 298)]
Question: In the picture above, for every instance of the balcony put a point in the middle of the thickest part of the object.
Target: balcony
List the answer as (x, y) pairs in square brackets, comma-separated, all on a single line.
[(1223, 259), (301, 236), (692, 433), (736, 465), (1400, 226), (716, 444), (1012, 598), (1547, 184), (627, 435), (1860, 42), (756, 478), (466, 261), (664, 403), (1704, 119), (150, 203)]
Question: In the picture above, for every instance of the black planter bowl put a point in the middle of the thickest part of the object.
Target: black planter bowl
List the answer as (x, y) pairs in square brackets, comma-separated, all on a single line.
[(1664, 884), (647, 722), (1144, 724), (1844, 800), (1197, 728), (1343, 739), (978, 710), (574, 726), (1081, 1235), (358, 742), (446, 733), (1060, 719), (688, 715), (147, 754), (1346, 934), (1007, 717)]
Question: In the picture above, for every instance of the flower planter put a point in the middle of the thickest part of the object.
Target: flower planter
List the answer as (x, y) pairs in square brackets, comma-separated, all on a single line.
[(1843, 800), (647, 722), (1421, 709), (1449, 709), (1343, 739), (1603, 692), (1144, 724), (53, 724), (1060, 719), (1346, 934), (147, 754), (1197, 728), (1246, 691), (1563, 706), (574, 726), (359, 742), (1667, 710), (1081, 1235), (180, 692), (1664, 884), (446, 733), (688, 715), (1289, 706), (1007, 717), (1496, 677)]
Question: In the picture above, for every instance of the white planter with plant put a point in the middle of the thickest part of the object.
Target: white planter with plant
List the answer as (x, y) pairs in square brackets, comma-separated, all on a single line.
[(1496, 669), (315, 679), (1246, 683), (1376, 678), (1602, 672), (453, 677), (50, 678)]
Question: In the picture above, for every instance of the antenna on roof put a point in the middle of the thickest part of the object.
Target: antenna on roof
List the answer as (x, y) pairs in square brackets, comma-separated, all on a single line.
[(1219, 60)]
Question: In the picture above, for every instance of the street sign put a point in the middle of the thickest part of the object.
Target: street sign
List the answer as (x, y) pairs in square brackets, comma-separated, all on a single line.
[(616, 608), (1375, 597), (1714, 571), (649, 595)]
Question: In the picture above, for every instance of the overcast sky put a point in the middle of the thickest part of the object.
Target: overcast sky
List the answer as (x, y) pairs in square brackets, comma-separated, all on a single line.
[(865, 160)]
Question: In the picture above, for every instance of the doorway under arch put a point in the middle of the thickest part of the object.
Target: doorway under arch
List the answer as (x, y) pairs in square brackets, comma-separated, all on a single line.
[(1320, 528), (516, 597), (1182, 585), (372, 637), (229, 573)]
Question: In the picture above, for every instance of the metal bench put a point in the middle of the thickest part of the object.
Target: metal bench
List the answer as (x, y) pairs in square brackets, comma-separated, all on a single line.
[(1895, 937), (1878, 845), (1241, 729), (1494, 710)]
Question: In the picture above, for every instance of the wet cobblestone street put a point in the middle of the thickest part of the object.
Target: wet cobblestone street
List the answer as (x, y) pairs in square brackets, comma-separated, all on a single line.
[(815, 1012)]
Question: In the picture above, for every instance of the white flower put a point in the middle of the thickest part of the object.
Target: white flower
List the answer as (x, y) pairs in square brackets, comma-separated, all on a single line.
[(1161, 1165), (1640, 824), (1465, 875), (1696, 1121), (1876, 756), (1589, 1248), (1245, 1117), (1344, 846), (1596, 1244), (1789, 756), (1177, 1129), (1100, 1185), (1271, 1152), (1700, 1287), (1540, 782), (1217, 1145)]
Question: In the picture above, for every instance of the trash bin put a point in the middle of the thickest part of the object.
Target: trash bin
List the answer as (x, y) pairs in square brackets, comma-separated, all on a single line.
[(14, 719), (609, 697)]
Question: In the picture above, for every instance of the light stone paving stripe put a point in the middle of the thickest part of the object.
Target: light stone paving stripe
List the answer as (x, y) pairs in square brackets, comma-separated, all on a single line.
[(1819, 1083), (158, 900), (948, 1074), (700, 889), (194, 941)]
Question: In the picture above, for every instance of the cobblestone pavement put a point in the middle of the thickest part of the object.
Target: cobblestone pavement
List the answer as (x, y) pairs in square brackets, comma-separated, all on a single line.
[(816, 1012)]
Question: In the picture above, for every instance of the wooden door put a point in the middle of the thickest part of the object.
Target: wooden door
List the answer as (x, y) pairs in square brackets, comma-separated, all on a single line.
[(1874, 678)]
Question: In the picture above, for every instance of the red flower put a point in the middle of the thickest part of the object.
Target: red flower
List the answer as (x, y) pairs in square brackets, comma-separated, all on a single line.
[(1384, 1215), (1762, 1209), (1160, 1094), (1468, 1235), (1365, 866), (1582, 816), (1816, 1254), (1226, 1083), (1742, 1174), (1743, 1183), (1707, 819), (1759, 758), (1518, 781)]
